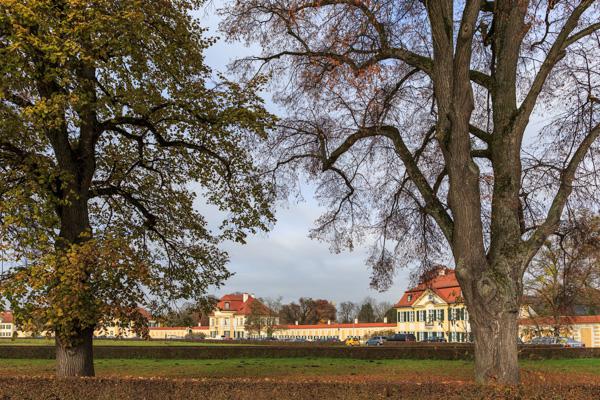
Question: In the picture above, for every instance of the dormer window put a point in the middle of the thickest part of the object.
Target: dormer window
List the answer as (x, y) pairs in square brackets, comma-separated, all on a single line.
[(410, 297), (227, 305)]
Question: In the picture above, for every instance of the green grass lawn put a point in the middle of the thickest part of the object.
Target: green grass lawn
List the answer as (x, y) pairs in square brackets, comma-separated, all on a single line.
[(109, 342), (301, 368)]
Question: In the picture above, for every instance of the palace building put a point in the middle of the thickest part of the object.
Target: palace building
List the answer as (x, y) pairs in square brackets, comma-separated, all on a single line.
[(435, 309), (228, 320)]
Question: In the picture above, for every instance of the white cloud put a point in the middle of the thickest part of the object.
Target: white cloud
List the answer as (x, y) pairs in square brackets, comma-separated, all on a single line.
[(285, 262)]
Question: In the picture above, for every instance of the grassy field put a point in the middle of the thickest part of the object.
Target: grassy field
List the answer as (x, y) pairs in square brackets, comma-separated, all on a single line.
[(571, 370), (109, 342)]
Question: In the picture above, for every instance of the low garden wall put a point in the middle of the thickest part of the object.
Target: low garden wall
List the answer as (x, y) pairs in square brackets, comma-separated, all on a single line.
[(407, 351)]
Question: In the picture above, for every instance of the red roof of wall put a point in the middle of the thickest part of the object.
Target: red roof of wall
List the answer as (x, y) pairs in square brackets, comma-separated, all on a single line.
[(6, 316), (335, 326), (564, 320), (446, 286), (177, 328)]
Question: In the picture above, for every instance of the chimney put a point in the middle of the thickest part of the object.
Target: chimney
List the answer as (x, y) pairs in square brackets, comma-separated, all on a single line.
[(442, 272), (328, 322), (385, 320), (356, 320), (245, 297), (296, 322)]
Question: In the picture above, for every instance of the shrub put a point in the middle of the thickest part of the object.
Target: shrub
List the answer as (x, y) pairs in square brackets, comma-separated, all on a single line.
[(438, 351)]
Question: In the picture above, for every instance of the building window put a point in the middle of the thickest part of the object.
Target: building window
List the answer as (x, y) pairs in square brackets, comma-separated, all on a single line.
[(440, 315), (431, 316)]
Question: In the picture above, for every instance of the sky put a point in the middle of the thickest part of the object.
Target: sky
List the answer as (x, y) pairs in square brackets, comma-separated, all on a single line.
[(285, 262)]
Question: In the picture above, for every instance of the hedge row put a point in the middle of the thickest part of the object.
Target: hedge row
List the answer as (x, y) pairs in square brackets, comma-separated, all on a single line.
[(161, 389), (437, 351)]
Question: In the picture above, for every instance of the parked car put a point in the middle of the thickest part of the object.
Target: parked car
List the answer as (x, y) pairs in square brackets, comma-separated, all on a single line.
[(545, 340), (352, 341), (383, 338), (374, 341), (402, 337), (435, 340), (571, 343)]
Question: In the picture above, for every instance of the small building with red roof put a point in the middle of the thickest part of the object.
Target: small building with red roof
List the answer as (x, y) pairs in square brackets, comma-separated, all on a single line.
[(7, 324), (434, 309), (228, 320)]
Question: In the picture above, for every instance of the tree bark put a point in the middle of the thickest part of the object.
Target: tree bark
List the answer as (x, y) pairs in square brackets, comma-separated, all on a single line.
[(76, 359), (496, 351)]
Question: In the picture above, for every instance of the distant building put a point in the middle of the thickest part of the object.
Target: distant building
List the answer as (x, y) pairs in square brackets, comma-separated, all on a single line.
[(228, 320), (7, 326), (178, 332), (334, 330), (435, 309), (584, 328)]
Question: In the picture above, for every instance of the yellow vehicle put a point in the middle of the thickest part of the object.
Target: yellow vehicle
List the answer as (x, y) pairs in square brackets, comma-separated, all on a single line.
[(352, 341)]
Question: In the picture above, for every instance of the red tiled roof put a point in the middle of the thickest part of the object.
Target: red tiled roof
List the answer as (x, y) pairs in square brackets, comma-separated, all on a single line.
[(178, 328), (6, 317), (446, 286), (237, 304), (564, 320), (335, 326), (145, 313)]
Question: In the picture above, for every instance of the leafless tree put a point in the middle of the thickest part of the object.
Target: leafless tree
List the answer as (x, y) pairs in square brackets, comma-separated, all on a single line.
[(347, 311), (437, 127), (565, 274), (381, 310)]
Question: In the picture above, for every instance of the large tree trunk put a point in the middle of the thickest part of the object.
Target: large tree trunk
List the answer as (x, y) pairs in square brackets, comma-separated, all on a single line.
[(76, 359), (493, 294), (496, 352)]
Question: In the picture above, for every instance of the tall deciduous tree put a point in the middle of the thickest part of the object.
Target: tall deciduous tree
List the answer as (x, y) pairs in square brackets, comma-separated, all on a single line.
[(263, 317), (110, 122), (308, 311), (347, 312), (366, 313), (438, 127)]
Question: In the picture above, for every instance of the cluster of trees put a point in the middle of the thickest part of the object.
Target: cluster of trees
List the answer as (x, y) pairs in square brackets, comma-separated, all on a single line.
[(308, 311), (564, 277), (188, 314), (368, 311)]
